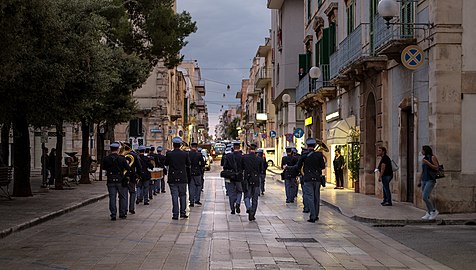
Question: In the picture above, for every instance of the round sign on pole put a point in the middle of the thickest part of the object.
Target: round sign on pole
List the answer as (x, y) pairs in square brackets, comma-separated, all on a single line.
[(298, 133), (272, 134), (413, 57), (289, 137)]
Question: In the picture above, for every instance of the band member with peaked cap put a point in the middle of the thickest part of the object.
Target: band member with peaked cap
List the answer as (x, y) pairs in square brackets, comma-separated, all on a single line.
[(289, 176), (252, 167), (160, 185), (235, 189), (260, 154), (144, 183), (136, 170), (115, 166), (178, 178), (196, 167), (312, 163)]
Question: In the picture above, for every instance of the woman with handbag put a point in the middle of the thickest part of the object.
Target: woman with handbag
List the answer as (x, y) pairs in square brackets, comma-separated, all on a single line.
[(428, 180)]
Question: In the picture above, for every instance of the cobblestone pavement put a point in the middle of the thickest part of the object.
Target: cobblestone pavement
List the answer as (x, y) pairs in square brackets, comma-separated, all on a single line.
[(211, 238)]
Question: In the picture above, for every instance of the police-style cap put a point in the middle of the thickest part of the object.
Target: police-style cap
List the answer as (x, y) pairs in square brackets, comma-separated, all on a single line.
[(147, 147), (311, 141), (115, 145), (236, 143), (152, 147), (259, 151), (288, 149), (228, 150), (229, 145), (177, 140), (141, 148), (159, 148), (294, 150), (253, 146), (194, 144)]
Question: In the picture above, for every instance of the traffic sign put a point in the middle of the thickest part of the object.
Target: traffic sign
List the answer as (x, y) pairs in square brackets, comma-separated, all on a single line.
[(255, 134), (298, 133), (413, 57), (272, 134), (289, 137), (264, 135)]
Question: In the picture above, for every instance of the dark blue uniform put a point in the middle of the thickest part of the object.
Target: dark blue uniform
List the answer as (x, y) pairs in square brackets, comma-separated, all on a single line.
[(196, 168), (235, 187), (252, 168), (178, 178), (115, 166), (289, 177), (312, 163)]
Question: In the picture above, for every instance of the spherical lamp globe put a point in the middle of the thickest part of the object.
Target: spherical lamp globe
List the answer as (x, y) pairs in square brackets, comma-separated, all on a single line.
[(388, 9), (315, 72)]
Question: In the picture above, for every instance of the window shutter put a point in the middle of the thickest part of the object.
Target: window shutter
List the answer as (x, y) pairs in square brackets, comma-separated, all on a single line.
[(302, 62), (326, 47)]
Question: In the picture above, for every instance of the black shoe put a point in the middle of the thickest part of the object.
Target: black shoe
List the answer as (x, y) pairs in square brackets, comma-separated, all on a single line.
[(238, 210), (113, 218), (311, 220), (387, 204), (183, 216), (247, 211), (232, 212), (137, 202), (262, 193), (191, 205), (132, 211), (199, 203), (251, 217), (291, 201), (163, 191), (382, 203), (175, 218), (151, 198), (146, 203), (306, 211), (154, 193), (123, 217)]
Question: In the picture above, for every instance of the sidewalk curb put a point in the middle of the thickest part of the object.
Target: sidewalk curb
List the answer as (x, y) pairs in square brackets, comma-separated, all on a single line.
[(393, 222), (49, 216)]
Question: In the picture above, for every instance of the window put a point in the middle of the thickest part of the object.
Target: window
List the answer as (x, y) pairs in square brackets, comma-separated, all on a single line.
[(309, 13), (406, 17), (350, 16), (332, 38)]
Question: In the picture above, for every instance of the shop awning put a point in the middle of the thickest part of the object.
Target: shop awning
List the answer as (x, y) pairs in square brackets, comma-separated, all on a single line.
[(338, 131)]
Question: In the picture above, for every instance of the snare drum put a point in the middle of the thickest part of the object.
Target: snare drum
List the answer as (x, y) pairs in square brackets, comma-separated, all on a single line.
[(157, 173)]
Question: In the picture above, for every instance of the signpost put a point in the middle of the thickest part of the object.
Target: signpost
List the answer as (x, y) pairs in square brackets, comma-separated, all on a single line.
[(289, 137), (413, 57), (272, 134), (298, 133)]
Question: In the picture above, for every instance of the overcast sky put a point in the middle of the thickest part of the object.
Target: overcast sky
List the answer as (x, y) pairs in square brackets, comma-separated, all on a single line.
[(229, 33)]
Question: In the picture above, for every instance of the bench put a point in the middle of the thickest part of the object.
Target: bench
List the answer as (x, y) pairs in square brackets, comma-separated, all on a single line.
[(6, 176)]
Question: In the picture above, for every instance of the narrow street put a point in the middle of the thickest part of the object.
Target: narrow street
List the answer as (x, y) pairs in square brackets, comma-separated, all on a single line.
[(211, 238)]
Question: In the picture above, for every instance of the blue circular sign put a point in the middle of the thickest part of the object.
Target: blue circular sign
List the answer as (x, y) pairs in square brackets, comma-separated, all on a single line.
[(272, 134), (298, 133), (413, 57)]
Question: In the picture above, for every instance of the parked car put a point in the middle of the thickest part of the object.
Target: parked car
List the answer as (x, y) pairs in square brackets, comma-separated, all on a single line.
[(270, 155), (208, 159), (218, 149)]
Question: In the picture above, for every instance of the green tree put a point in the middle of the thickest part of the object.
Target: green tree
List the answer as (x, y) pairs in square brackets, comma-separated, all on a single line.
[(231, 130)]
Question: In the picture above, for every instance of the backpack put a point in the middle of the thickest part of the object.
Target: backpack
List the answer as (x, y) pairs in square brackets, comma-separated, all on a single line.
[(394, 165)]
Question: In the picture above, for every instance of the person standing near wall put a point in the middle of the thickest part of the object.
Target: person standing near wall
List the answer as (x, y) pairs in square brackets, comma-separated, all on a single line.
[(430, 166), (339, 163), (385, 175)]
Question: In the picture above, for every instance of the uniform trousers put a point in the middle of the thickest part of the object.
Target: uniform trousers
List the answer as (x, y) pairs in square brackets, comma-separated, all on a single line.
[(312, 196), (262, 182), (116, 190), (131, 186), (290, 187), (195, 189), (251, 198), (235, 193), (143, 191), (179, 199)]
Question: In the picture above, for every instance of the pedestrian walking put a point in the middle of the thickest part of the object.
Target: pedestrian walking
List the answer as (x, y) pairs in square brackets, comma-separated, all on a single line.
[(385, 175), (233, 163), (197, 165), (311, 164), (153, 181), (144, 184), (228, 151), (178, 177), (429, 166), (289, 175), (52, 166), (339, 164), (116, 168), (252, 168)]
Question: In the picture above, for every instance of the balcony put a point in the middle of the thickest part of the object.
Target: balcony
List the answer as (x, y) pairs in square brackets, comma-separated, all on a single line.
[(275, 4), (200, 87), (263, 77), (391, 40), (355, 57), (310, 91)]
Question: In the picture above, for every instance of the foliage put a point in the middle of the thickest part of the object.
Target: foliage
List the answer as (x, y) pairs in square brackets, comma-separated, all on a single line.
[(354, 154), (231, 130)]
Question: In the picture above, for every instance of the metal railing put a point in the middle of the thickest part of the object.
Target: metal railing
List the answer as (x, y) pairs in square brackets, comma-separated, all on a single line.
[(383, 33), (354, 46), (308, 85), (303, 87)]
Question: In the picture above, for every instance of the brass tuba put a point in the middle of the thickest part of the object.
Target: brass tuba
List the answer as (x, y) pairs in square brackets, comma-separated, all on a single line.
[(126, 152), (321, 147)]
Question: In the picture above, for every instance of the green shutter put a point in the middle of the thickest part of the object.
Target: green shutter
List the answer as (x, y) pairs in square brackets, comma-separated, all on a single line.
[(308, 61), (326, 47), (332, 38), (317, 53)]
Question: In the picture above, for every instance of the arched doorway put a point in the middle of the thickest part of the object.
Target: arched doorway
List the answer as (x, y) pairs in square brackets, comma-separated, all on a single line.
[(370, 144)]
